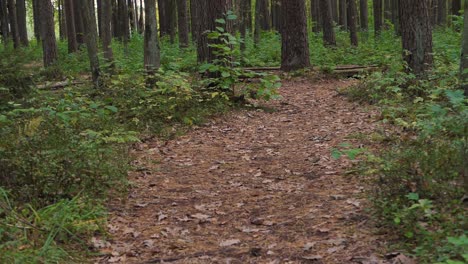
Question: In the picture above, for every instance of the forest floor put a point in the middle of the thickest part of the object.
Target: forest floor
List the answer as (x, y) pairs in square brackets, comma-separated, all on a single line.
[(255, 186)]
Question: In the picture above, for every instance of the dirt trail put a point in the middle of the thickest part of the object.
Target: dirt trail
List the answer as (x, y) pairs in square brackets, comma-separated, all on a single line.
[(251, 187)]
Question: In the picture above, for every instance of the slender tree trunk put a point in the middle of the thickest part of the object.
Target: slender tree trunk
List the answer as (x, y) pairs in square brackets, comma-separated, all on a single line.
[(49, 43), (71, 31), (396, 16), (378, 13), (352, 18), (36, 20), (151, 48), (464, 69), (4, 22), (263, 15), (183, 23), (106, 33), (364, 15), (79, 25), (22, 27), (90, 30), (343, 18), (387, 10), (276, 15), (172, 11), (13, 23), (294, 39), (211, 10), (329, 38), (195, 18), (442, 13), (131, 16), (141, 24), (316, 13), (244, 8), (99, 17), (456, 7), (416, 34), (61, 20), (334, 7)]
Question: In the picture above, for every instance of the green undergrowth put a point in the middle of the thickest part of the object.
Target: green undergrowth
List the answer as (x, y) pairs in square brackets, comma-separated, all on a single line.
[(417, 178)]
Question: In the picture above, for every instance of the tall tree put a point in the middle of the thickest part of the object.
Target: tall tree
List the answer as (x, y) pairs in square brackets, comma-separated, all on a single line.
[(49, 43), (276, 15), (151, 48), (343, 21), (262, 13), (244, 8), (79, 25), (442, 13), (416, 33), (210, 11), (329, 38), (71, 31), (317, 16), (294, 39), (183, 23), (334, 8), (364, 14), (195, 18), (61, 20), (464, 68), (4, 21), (91, 36), (36, 20), (141, 25), (352, 22), (456, 7), (22, 27), (106, 31), (13, 23), (378, 16)]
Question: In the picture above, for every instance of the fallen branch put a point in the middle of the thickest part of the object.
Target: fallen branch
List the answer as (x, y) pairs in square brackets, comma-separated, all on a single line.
[(58, 85)]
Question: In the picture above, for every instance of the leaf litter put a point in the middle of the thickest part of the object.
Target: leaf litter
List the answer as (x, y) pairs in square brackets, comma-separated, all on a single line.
[(252, 187)]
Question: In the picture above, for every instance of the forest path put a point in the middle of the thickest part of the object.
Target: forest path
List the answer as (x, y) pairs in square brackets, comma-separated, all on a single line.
[(252, 187)]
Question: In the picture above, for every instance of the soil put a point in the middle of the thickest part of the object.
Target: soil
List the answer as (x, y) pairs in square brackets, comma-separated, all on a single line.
[(256, 186)]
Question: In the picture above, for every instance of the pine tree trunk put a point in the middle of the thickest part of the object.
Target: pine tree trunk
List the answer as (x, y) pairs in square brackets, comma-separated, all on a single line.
[(442, 13), (49, 43), (343, 18), (22, 27), (106, 33), (456, 7), (294, 39), (141, 23), (61, 20), (36, 20), (172, 11), (464, 67), (396, 17), (378, 16), (387, 10), (210, 11), (13, 23), (71, 31), (183, 23), (276, 15), (316, 16), (364, 15), (99, 17), (244, 20), (91, 36), (131, 16), (416, 32), (263, 15), (79, 26), (329, 38), (151, 47), (352, 18), (195, 17), (334, 7), (4, 21)]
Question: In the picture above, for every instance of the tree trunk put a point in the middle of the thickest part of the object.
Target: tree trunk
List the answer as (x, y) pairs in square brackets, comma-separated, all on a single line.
[(378, 13), (329, 38), (106, 33), (294, 39), (245, 8), (141, 23), (442, 13), (151, 49), (131, 16), (79, 26), (49, 43), (276, 15), (456, 7), (172, 11), (211, 10), (396, 17), (416, 32), (22, 27), (195, 17), (90, 31), (36, 20), (334, 8), (464, 66), (352, 18), (183, 23), (364, 15), (316, 16), (263, 14), (4, 21), (61, 20), (71, 31), (13, 23), (99, 17), (343, 18), (387, 10)]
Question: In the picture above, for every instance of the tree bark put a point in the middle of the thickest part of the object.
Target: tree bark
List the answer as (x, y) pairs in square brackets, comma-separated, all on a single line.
[(49, 43), (263, 14), (106, 31), (4, 22), (464, 66), (36, 20), (90, 31), (71, 31), (141, 23), (442, 13), (22, 27), (210, 11), (13, 23), (79, 25), (456, 7), (294, 39), (183, 23), (195, 17), (416, 34), (364, 15), (378, 16), (329, 38), (244, 8), (151, 49), (334, 7), (343, 18), (352, 18), (276, 15), (316, 13)]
